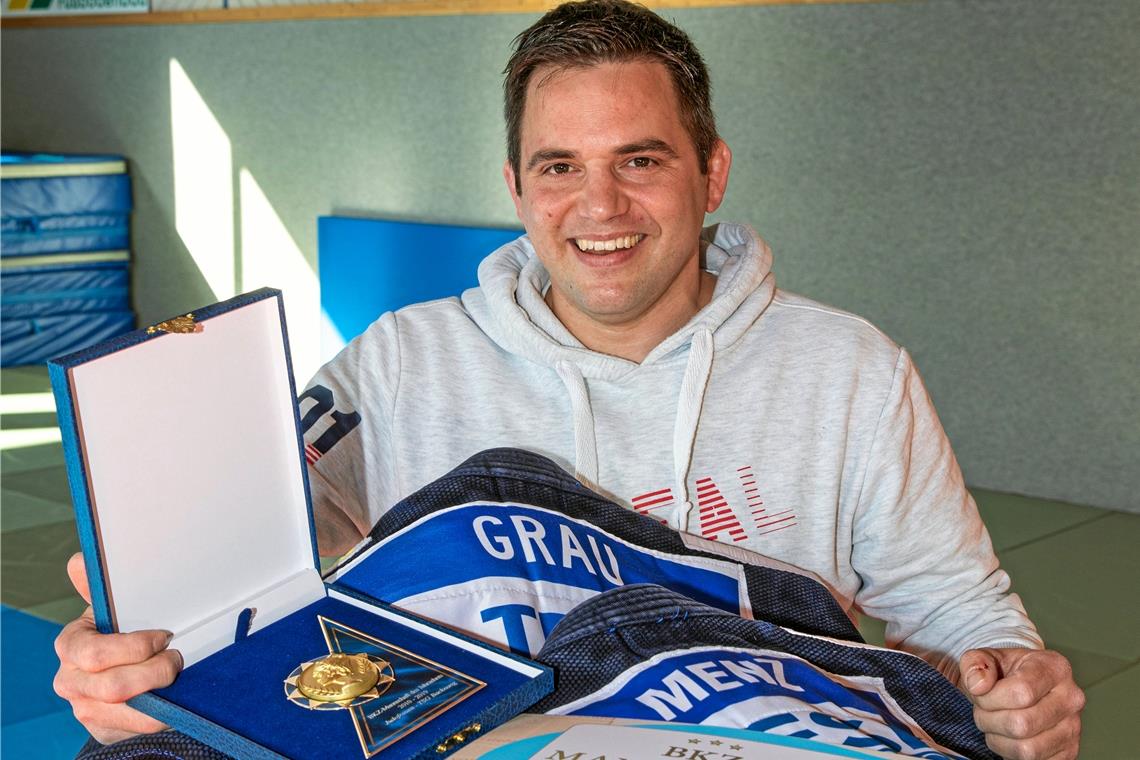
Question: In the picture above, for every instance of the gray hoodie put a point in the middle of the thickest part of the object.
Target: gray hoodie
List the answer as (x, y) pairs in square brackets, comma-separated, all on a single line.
[(769, 423)]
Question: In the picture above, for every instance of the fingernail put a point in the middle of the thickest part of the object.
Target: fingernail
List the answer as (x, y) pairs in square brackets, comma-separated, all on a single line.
[(169, 638), (974, 676)]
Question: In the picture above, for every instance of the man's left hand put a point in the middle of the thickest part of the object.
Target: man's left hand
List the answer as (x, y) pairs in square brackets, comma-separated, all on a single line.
[(1025, 701)]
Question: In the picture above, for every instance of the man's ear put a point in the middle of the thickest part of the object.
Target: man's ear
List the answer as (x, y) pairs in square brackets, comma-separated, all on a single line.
[(720, 161), (509, 177)]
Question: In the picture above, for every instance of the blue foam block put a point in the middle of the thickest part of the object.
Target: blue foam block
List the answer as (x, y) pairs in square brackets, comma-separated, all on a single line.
[(371, 266)]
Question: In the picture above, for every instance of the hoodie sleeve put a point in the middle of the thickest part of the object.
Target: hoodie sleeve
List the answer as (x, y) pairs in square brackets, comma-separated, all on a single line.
[(924, 557), (346, 417)]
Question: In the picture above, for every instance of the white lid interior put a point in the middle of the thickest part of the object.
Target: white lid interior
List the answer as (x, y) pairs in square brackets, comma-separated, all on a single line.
[(195, 479)]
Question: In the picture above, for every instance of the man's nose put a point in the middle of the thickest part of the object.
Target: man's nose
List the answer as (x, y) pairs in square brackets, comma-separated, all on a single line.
[(602, 196)]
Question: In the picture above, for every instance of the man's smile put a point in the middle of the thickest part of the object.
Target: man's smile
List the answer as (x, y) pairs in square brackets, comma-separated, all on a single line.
[(612, 244)]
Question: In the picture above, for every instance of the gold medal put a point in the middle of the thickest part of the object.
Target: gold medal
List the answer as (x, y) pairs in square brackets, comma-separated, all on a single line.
[(338, 677), (338, 681)]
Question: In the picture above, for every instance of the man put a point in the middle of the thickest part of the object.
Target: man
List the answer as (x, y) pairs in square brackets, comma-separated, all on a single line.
[(660, 364)]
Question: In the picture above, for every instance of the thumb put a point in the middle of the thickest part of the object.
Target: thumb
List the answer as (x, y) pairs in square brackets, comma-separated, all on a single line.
[(77, 571), (980, 671)]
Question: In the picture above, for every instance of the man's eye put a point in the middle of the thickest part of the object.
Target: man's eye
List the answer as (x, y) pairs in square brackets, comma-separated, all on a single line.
[(557, 169), (641, 162)]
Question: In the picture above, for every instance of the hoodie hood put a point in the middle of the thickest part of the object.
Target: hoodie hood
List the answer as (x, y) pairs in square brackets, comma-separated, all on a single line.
[(514, 281), (515, 315)]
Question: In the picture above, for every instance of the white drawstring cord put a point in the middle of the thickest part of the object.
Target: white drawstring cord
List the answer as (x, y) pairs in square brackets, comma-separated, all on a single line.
[(585, 444), (689, 406)]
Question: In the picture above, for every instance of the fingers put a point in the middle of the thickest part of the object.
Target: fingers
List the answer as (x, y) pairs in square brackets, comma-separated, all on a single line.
[(81, 646), (1059, 742), (99, 672), (1024, 723), (120, 683), (109, 723), (1025, 701), (980, 672), (1024, 678), (77, 571)]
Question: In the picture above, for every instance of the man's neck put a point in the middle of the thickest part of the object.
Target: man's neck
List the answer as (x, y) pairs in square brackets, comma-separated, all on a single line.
[(633, 340)]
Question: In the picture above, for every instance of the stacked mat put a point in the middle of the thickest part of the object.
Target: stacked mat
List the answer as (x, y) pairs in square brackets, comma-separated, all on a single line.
[(64, 254)]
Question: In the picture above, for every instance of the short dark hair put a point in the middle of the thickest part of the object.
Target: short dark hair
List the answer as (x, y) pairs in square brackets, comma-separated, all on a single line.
[(592, 32)]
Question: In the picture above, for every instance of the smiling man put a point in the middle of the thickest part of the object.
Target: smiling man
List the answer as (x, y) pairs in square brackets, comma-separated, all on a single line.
[(612, 192), (659, 362)]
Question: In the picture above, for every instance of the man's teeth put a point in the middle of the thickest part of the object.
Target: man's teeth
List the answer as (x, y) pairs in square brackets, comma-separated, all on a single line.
[(629, 241)]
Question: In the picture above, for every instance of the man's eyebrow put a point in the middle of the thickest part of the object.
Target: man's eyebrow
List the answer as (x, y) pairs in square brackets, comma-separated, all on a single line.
[(650, 145), (551, 154)]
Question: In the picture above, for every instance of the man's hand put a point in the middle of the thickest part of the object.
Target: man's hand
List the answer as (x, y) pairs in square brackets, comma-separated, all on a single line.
[(1025, 701), (99, 672)]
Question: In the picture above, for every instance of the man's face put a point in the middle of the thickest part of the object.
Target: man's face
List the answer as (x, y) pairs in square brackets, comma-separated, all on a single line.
[(612, 193)]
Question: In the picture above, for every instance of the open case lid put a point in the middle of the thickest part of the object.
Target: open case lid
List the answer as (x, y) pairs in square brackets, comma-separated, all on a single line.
[(187, 471)]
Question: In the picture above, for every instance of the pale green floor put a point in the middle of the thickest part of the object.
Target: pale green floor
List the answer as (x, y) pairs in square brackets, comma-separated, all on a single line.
[(1076, 568)]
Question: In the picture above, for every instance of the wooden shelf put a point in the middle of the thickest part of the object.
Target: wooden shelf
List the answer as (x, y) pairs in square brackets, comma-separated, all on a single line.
[(19, 20)]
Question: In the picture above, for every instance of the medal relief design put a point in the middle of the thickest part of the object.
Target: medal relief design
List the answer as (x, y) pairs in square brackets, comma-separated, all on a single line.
[(338, 681), (386, 690)]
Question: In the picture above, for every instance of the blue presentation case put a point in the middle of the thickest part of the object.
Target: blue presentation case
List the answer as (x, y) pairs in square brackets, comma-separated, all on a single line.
[(187, 472)]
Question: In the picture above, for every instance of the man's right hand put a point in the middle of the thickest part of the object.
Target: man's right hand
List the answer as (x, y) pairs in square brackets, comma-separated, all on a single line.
[(99, 672)]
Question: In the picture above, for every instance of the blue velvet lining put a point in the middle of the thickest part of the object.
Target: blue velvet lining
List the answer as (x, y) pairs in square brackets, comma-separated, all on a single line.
[(241, 688)]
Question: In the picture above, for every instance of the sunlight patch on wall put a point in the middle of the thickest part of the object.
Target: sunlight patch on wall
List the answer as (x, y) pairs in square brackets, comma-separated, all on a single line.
[(203, 184), (332, 340), (271, 258)]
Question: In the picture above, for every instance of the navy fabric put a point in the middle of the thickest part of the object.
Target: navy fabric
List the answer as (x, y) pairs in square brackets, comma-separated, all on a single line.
[(168, 745), (599, 648), (522, 477)]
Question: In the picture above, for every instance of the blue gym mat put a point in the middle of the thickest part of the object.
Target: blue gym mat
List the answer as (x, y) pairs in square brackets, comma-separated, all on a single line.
[(34, 722)]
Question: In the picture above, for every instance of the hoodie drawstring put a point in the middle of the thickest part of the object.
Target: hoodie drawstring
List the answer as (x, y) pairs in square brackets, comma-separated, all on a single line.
[(510, 308), (585, 444), (689, 405)]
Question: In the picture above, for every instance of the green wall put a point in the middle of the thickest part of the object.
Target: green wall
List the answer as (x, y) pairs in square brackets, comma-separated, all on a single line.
[(965, 174)]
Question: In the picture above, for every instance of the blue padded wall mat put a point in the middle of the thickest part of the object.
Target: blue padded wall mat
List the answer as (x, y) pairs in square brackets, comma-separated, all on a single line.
[(34, 340), (64, 253), (42, 291), (371, 266), (53, 203)]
